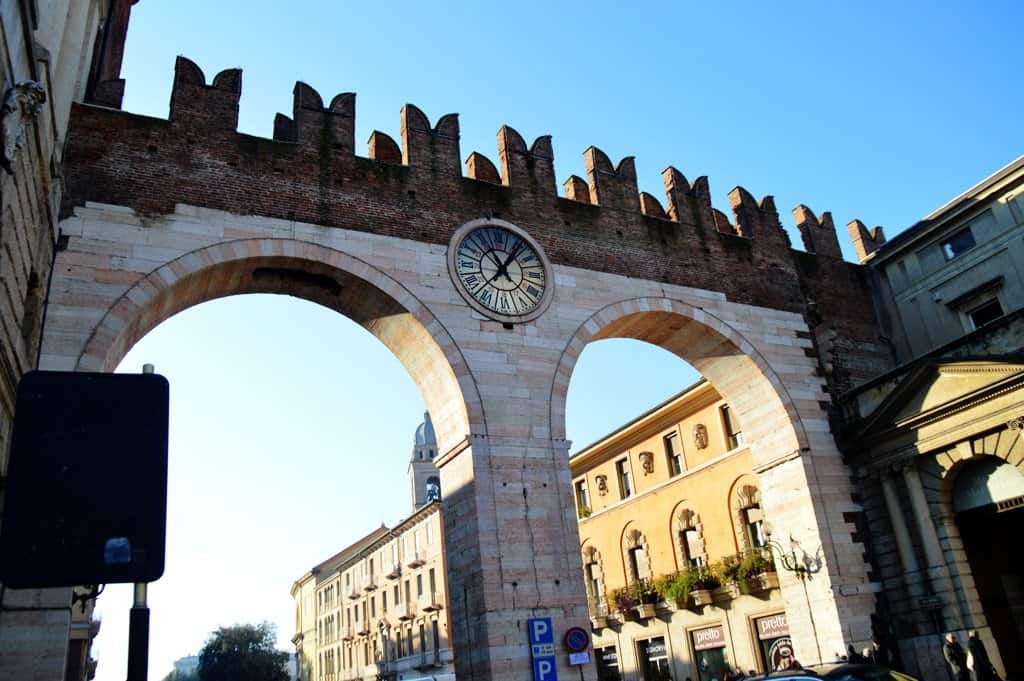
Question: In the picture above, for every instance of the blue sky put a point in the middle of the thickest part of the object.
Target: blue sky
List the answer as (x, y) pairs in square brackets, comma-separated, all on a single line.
[(877, 111)]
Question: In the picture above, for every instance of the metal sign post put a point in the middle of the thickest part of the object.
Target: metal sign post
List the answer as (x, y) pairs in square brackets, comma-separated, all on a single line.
[(138, 619)]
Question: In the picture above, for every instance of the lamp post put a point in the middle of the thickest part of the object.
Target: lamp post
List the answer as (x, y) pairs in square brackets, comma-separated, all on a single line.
[(804, 566)]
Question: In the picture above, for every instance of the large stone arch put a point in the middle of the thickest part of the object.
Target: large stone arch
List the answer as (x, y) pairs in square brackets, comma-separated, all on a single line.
[(762, 363), (329, 277)]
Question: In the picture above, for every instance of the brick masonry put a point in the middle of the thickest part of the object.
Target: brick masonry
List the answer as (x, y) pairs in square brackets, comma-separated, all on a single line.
[(160, 215)]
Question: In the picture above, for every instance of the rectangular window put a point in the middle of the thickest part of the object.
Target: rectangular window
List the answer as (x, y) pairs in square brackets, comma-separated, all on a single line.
[(383, 601), (430, 533), (638, 564), (401, 644), (419, 585), (607, 664), (582, 499), (755, 527), (654, 659), (594, 581), (373, 606), (408, 592), (357, 613), (423, 640), (733, 433), (625, 478), (437, 636), (371, 567), (989, 311), (433, 581), (692, 548), (958, 244), (673, 454), (396, 595)]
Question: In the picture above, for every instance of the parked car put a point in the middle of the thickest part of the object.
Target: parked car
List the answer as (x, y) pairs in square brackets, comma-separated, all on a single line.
[(837, 671)]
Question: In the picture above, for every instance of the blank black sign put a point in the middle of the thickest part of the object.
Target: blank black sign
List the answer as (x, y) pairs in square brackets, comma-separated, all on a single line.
[(87, 481)]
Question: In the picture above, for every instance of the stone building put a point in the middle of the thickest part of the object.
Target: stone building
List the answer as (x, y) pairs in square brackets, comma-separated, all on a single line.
[(935, 444), (378, 609), (56, 52), (675, 547)]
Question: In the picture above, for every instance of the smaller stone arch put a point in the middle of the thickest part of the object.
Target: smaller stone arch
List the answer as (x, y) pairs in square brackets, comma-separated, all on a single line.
[(685, 519), (636, 555), (744, 498), (593, 577), (1005, 442)]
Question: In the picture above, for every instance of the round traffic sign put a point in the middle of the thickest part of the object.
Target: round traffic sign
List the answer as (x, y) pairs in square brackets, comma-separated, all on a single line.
[(576, 640)]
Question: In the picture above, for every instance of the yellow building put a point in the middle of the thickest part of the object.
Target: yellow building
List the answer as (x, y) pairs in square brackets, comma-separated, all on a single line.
[(679, 578), (378, 609)]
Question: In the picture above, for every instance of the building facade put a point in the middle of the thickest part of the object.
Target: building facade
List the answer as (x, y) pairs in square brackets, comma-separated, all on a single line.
[(378, 609), (936, 443), (675, 547), (55, 52)]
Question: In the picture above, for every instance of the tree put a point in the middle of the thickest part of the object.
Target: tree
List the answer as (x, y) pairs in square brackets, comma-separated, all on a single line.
[(244, 652)]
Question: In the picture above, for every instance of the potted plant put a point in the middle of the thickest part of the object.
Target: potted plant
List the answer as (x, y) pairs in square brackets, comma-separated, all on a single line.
[(703, 580), (646, 596), (624, 602), (583, 511), (730, 573), (758, 571)]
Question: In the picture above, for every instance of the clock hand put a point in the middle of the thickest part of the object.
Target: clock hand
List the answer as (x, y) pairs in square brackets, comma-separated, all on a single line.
[(512, 256)]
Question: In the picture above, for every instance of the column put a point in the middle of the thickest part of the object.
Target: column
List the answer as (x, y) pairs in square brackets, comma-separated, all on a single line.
[(899, 525), (919, 503)]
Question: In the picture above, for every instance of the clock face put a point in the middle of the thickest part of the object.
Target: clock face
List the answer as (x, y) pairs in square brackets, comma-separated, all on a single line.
[(500, 270)]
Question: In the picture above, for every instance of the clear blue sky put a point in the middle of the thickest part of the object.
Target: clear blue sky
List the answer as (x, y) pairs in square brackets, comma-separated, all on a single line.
[(878, 111)]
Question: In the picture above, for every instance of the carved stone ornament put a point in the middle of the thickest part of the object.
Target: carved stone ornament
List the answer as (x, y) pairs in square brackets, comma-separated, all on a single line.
[(21, 104), (647, 461), (700, 436), (602, 485), (1016, 423)]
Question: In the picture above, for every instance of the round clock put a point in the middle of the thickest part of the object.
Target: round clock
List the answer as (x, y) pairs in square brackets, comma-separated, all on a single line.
[(500, 270)]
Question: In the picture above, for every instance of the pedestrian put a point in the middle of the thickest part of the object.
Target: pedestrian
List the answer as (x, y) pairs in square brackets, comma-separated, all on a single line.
[(879, 653), (956, 658), (982, 666)]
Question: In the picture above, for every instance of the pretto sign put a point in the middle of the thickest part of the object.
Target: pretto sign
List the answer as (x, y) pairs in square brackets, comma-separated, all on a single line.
[(712, 637)]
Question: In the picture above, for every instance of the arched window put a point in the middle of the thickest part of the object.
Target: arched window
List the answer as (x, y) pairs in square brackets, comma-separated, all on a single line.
[(433, 488), (636, 555), (593, 576), (689, 536), (748, 517)]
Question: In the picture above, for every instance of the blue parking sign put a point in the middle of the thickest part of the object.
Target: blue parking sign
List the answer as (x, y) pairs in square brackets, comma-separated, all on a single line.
[(542, 649)]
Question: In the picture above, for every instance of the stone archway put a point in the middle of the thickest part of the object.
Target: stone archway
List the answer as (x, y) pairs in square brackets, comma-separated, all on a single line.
[(306, 270), (757, 360)]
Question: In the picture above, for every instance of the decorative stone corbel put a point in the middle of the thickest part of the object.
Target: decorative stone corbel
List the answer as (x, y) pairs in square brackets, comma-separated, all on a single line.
[(602, 485), (22, 103), (647, 462), (700, 436), (1016, 423)]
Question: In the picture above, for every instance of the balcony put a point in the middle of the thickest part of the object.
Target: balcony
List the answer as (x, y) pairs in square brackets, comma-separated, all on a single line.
[(346, 633), (369, 583), (353, 590), (363, 628), (393, 571), (405, 611), (431, 601), (415, 559)]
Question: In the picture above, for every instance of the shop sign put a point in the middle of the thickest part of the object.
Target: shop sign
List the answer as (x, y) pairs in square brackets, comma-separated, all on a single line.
[(772, 627), (655, 647), (705, 639), (780, 653)]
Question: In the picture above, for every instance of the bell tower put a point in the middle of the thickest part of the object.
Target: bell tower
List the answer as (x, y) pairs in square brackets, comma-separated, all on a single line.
[(423, 474)]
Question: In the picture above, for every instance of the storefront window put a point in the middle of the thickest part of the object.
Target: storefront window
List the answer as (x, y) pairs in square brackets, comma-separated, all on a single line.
[(709, 653), (776, 646), (607, 664), (654, 659)]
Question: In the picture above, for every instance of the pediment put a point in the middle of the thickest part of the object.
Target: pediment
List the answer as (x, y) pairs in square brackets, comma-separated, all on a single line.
[(933, 387)]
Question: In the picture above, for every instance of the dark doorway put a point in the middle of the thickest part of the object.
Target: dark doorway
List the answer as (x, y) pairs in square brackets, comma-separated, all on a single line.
[(992, 542)]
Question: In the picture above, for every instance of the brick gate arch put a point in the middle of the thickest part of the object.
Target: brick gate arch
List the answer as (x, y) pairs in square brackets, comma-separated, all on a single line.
[(322, 275)]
